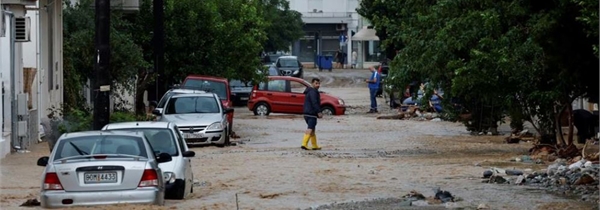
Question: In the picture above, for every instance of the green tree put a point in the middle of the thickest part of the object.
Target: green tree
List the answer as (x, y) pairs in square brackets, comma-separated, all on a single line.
[(526, 59), (79, 51), (283, 26), (213, 37)]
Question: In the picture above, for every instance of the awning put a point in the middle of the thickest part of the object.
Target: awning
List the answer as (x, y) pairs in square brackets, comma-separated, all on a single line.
[(365, 34)]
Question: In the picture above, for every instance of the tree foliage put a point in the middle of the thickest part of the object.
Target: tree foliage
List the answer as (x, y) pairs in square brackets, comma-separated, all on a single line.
[(527, 59), (209, 37), (283, 25)]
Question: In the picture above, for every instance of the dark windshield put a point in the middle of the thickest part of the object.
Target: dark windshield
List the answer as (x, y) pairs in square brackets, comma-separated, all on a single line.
[(192, 104), (220, 88), (161, 139), (100, 144), (288, 63), (238, 83)]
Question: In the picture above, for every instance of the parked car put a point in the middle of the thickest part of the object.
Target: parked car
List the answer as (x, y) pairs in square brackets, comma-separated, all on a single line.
[(240, 91), (100, 168), (173, 91), (166, 137), (200, 116), (289, 66), (217, 85), (282, 94)]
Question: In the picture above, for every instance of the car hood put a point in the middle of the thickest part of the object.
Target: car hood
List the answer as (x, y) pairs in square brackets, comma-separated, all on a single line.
[(193, 119), (327, 96)]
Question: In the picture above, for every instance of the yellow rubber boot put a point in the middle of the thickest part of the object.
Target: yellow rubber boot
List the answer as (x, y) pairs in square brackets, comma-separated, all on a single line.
[(305, 142), (313, 142)]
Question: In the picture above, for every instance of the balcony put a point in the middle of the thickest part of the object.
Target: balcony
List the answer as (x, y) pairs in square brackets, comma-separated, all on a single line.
[(127, 6), (20, 2), (326, 17)]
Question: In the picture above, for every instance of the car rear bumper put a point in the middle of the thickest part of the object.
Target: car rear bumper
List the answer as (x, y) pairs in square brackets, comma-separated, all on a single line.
[(209, 138), (54, 199)]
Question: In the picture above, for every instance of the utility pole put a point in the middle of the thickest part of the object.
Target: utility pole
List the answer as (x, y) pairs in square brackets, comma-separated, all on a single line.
[(102, 80), (159, 43)]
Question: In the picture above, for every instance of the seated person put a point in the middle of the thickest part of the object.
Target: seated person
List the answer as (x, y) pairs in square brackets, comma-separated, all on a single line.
[(436, 102)]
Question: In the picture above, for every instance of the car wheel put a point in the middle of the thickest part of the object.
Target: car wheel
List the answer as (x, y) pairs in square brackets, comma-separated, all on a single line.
[(327, 110), (227, 141), (262, 109), (178, 192)]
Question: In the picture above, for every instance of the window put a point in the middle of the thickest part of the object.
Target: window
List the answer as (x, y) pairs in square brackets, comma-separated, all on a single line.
[(105, 144), (220, 88), (276, 85), (161, 139), (193, 104), (182, 144), (164, 99), (288, 63), (297, 87)]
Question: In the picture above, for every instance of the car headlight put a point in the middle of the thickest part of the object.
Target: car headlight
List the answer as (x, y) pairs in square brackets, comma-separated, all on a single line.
[(341, 102), (296, 72), (169, 177), (215, 126)]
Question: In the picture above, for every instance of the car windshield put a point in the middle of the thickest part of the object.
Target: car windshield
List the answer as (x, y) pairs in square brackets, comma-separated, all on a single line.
[(161, 139), (220, 88), (288, 63), (192, 104), (100, 144), (238, 83)]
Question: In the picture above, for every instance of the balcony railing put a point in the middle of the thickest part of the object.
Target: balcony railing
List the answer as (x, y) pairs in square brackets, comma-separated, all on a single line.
[(327, 14)]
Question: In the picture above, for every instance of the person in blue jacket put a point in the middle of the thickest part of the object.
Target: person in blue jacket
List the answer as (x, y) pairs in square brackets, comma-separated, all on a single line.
[(312, 111), (436, 102), (373, 81)]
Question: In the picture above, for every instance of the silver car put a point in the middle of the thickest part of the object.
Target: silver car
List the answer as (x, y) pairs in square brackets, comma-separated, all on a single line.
[(179, 90), (102, 167), (166, 137), (200, 116)]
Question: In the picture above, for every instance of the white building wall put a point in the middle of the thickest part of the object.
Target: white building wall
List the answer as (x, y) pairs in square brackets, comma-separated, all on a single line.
[(50, 65)]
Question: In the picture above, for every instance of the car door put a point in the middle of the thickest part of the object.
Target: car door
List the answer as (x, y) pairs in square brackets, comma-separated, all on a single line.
[(189, 174), (296, 96), (277, 95)]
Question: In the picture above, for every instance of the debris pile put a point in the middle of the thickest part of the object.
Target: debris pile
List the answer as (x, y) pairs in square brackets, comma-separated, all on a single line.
[(572, 178), (412, 113), (517, 136)]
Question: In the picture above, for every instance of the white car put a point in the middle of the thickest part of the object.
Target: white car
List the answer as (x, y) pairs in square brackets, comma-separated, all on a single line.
[(174, 91), (102, 168), (165, 137), (200, 116)]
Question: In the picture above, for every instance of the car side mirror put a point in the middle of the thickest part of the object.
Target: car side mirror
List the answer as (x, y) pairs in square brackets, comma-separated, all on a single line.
[(43, 161), (228, 110), (156, 112), (164, 157), (189, 153)]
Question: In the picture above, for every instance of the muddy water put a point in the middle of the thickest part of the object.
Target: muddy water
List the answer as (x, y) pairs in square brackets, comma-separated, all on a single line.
[(362, 158)]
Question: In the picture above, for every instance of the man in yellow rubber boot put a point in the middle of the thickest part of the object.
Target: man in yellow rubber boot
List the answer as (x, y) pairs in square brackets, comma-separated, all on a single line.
[(312, 111)]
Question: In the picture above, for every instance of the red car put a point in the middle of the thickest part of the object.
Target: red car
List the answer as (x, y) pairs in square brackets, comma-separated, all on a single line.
[(283, 94), (217, 85)]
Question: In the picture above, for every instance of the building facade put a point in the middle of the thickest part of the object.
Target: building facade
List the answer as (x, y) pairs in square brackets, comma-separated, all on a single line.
[(30, 68), (325, 22)]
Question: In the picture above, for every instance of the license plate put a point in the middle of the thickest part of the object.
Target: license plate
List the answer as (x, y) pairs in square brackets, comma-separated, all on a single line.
[(107, 177), (244, 98), (192, 135)]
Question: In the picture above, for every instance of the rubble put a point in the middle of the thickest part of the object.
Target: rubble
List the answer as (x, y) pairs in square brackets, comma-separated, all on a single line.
[(579, 178)]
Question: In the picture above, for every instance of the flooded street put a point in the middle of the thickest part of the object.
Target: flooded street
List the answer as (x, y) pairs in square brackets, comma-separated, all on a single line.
[(362, 158)]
